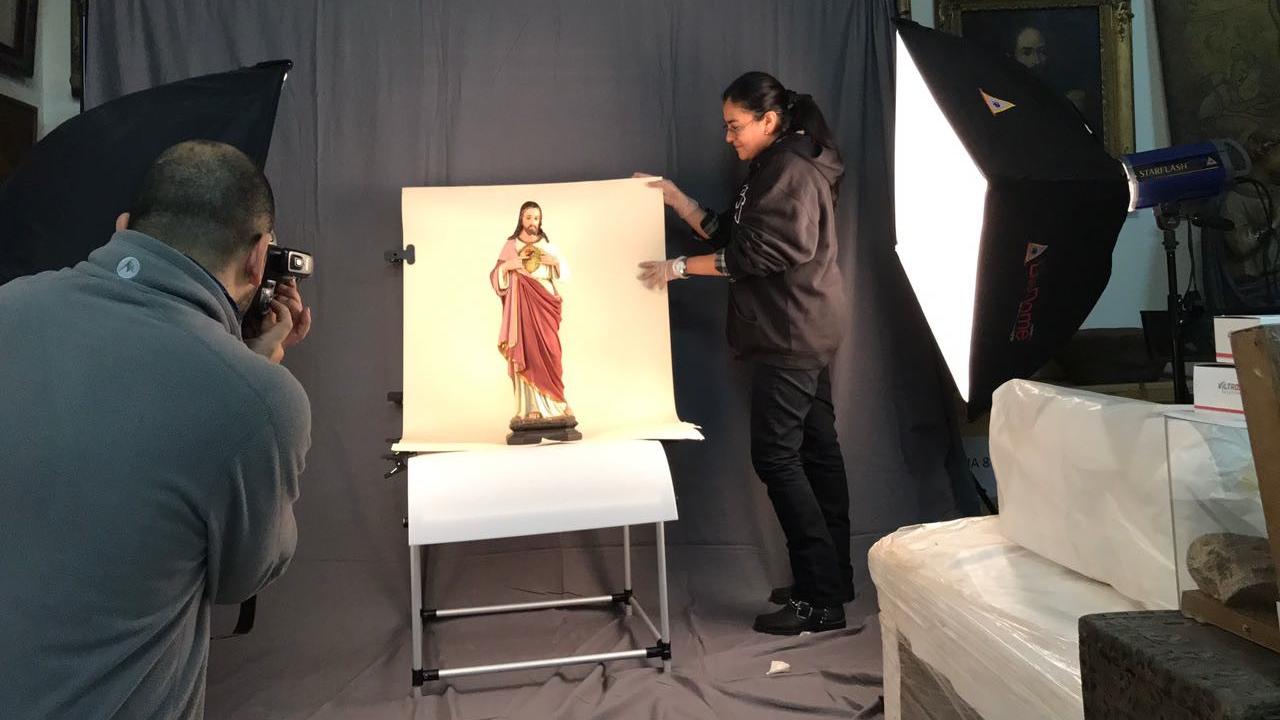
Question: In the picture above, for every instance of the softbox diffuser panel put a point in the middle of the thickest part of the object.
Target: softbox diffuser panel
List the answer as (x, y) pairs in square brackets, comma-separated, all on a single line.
[(939, 216)]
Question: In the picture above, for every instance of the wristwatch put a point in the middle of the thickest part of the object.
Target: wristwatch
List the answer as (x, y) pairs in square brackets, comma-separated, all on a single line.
[(679, 266)]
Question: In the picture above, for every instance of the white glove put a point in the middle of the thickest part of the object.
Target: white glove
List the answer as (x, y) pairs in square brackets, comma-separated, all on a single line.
[(655, 274), (684, 206)]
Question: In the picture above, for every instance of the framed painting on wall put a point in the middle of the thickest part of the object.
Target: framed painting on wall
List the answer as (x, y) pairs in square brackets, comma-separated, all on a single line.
[(18, 37), (1081, 48), (17, 134), (1221, 65)]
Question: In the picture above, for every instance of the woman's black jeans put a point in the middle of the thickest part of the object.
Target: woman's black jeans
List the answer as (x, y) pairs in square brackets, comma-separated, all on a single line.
[(795, 452)]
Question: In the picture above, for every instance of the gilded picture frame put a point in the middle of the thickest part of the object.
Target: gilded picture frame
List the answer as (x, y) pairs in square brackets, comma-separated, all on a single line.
[(18, 37), (1081, 47)]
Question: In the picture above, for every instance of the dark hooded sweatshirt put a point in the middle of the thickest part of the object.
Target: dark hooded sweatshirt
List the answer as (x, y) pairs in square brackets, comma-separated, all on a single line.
[(787, 302)]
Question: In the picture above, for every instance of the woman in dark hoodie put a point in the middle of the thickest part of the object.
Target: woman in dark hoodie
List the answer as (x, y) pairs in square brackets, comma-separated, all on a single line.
[(787, 314)]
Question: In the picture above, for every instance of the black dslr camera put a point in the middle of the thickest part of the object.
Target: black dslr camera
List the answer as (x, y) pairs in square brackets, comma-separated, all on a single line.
[(282, 263)]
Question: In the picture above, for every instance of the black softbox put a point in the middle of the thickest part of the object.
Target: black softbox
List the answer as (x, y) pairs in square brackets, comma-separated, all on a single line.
[(1008, 208), (62, 202)]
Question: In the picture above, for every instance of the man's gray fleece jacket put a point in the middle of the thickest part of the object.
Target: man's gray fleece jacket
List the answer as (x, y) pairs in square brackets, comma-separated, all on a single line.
[(149, 464)]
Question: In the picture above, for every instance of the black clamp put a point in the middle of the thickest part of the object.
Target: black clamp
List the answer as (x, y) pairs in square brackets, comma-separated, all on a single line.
[(399, 463), (399, 459), (661, 650), (400, 256), (623, 598), (425, 676)]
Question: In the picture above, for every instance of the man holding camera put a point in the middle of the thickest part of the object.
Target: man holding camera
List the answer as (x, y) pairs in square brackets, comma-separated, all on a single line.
[(149, 453)]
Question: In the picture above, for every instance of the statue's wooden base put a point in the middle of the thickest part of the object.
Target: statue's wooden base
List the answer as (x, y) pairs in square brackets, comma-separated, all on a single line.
[(534, 431), (1257, 625), (533, 437)]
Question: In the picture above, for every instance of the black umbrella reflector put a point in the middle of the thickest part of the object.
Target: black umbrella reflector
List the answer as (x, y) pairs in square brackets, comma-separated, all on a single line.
[(1008, 208), (62, 202)]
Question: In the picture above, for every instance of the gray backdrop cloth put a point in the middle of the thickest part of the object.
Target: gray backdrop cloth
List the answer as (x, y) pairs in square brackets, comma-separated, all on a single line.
[(393, 93)]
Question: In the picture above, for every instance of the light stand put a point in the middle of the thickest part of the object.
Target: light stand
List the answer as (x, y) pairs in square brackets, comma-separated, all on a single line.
[(1165, 179), (1168, 217)]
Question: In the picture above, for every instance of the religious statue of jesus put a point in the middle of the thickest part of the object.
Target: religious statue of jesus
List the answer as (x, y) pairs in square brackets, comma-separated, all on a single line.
[(526, 279)]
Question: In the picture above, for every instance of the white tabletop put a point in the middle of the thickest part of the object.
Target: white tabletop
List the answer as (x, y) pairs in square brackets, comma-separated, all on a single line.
[(517, 491)]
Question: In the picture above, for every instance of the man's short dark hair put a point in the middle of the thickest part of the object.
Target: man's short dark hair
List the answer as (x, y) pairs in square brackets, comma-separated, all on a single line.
[(206, 199)]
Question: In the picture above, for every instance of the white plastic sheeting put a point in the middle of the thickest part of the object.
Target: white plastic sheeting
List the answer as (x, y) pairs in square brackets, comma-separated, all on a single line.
[(994, 619), (1083, 481), (1213, 481)]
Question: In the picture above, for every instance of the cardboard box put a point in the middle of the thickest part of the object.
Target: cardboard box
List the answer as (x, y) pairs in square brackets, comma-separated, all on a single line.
[(1215, 388), (1224, 325)]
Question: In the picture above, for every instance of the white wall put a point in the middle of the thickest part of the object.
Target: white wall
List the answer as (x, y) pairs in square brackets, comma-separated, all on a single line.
[(49, 89), (1137, 273)]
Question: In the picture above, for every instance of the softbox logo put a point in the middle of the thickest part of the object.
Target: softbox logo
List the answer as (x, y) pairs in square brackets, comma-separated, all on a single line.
[(1229, 387), (995, 104), (1023, 327)]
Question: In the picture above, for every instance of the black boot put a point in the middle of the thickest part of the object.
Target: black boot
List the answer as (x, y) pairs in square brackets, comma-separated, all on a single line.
[(782, 595), (799, 616)]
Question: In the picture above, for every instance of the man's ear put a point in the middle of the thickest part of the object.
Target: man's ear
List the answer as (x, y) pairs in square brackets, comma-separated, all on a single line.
[(255, 264), (122, 222)]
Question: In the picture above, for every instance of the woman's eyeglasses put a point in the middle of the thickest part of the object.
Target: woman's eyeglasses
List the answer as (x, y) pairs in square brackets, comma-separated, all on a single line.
[(736, 129)]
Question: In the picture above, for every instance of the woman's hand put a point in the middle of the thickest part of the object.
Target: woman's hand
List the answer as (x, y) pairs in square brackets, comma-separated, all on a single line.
[(655, 274), (683, 205), (673, 197)]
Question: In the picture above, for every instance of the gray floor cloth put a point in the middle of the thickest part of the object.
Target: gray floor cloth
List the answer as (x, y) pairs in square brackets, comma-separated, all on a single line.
[(352, 659)]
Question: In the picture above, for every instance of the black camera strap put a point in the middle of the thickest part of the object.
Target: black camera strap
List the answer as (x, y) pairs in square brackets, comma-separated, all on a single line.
[(244, 623)]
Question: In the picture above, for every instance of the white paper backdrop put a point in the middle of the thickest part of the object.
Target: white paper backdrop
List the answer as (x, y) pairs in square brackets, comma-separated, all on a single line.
[(614, 333)]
